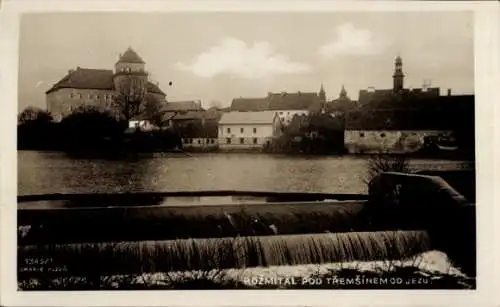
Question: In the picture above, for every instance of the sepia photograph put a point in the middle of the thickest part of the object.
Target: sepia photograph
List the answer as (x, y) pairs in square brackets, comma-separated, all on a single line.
[(247, 150)]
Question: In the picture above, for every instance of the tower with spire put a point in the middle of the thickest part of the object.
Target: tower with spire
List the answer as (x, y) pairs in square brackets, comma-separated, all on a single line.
[(398, 76), (130, 72), (343, 93), (322, 94)]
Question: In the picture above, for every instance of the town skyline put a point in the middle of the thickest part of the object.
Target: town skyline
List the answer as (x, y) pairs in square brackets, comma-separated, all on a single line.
[(253, 57)]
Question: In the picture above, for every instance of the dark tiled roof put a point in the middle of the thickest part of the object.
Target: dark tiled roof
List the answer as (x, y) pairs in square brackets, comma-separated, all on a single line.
[(153, 88), (85, 78), (130, 56), (341, 104), (174, 106), (386, 97), (95, 79), (441, 113), (190, 115), (238, 118), (292, 101), (249, 104)]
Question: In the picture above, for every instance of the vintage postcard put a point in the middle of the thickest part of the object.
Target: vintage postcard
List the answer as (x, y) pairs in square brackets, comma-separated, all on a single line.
[(328, 148)]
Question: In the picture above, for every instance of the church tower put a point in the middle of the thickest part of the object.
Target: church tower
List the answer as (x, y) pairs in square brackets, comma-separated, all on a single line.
[(398, 77), (130, 75), (322, 94), (343, 93)]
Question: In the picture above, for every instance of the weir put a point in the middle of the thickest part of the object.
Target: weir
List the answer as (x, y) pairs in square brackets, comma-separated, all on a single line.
[(224, 253)]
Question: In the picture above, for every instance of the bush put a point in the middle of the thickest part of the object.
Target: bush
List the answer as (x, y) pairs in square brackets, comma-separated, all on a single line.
[(386, 163)]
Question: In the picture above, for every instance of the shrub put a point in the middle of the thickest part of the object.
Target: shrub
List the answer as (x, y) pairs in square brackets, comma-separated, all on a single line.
[(386, 163)]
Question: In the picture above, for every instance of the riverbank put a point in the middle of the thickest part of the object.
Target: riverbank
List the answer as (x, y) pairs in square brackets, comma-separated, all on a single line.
[(429, 270)]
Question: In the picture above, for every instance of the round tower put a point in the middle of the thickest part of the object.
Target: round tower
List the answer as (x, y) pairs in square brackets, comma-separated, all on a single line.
[(130, 74)]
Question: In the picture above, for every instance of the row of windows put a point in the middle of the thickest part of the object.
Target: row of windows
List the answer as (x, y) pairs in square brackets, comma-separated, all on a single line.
[(190, 141), (362, 134), (242, 140), (91, 96), (128, 69), (242, 130)]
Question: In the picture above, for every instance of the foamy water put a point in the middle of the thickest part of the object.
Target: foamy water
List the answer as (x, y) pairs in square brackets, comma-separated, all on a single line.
[(428, 262)]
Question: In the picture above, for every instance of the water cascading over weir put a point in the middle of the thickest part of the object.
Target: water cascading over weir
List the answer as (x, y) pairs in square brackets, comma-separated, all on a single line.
[(395, 224)]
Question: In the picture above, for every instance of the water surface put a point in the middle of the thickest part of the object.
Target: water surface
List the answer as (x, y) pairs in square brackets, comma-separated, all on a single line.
[(52, 172)]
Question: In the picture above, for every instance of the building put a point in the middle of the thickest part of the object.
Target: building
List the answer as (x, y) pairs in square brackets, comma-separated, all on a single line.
[(99, 87), (286, 105), (398, 95), (391, 130), (177, 112), (248, 130), (342, 104), (249, 104), (405, 130), (196, 126)]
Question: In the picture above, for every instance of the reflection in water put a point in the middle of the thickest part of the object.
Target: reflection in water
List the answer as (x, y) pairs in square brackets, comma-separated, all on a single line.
[(48, 172)]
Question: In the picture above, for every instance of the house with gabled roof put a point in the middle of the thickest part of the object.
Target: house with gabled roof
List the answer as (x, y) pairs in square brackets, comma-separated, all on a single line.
[(285, 104), (248, 130), (98, 87)]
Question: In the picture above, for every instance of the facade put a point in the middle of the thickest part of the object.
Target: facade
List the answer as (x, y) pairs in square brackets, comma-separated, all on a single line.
[(200, 144), (99, 87), (392, 130), (286, 105), (247, 130)]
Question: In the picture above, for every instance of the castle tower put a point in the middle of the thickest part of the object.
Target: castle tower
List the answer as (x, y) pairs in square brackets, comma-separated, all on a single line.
[(130, 74), (398, 76)]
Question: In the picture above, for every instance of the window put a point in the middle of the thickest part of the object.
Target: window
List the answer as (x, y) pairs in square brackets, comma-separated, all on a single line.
[(255, 140), (362, 134), (228, 140), (71, 95), (382, 135), (254, 130), (96, 96), (228, 130), (242, 141), (242, 129), (199, 141), (90, 96)]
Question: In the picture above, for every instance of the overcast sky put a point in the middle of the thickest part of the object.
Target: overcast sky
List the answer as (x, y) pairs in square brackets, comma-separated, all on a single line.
[(219, 56)]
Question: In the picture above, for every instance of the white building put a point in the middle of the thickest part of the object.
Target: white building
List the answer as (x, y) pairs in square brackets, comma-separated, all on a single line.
[(248, 130)]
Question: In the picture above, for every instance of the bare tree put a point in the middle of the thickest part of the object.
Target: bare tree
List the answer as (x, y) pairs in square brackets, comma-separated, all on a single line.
[(154, 110), (131, 99)]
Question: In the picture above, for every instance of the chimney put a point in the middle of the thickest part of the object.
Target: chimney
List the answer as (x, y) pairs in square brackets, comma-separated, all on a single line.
[(71, 71), (449, 92)]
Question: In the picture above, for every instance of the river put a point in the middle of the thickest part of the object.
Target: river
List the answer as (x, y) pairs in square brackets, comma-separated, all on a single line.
[(52, 172)]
